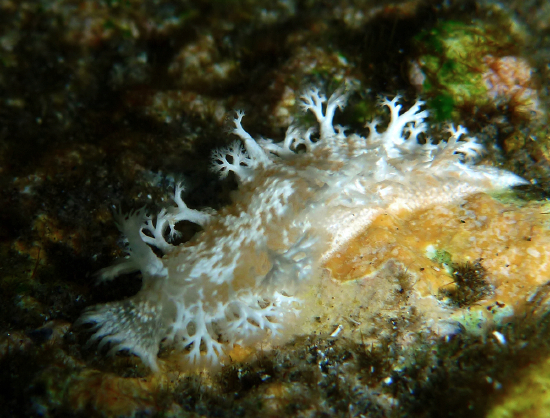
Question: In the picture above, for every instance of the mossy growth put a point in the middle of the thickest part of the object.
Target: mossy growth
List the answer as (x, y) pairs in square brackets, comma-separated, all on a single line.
[(470, 284)]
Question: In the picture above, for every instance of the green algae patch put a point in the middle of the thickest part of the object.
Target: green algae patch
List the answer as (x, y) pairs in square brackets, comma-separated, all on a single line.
[(439, 256), (463, 68), (530, 397)]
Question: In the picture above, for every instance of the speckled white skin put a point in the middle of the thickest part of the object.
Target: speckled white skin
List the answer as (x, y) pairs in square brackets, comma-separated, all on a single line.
[(239, 280)]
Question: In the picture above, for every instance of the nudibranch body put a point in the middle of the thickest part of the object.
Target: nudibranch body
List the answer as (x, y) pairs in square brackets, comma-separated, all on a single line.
[(299, 201)]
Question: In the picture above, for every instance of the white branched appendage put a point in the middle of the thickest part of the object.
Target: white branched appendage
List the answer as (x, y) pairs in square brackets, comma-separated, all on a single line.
[(233, 158), (300, 199)]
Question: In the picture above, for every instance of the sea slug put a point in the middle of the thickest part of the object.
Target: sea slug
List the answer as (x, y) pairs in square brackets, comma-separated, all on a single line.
[(299, 201)]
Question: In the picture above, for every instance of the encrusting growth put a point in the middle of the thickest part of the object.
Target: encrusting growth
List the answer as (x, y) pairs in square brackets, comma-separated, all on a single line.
[(299, 201)]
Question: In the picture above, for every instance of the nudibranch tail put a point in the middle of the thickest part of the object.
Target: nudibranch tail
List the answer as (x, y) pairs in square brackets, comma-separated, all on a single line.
[(134, 325)]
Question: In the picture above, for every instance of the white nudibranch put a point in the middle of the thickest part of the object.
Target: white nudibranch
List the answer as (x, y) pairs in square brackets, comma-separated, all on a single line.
[(239, 280)]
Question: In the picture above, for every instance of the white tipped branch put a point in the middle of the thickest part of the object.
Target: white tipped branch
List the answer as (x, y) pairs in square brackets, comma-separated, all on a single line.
[(313, 100), (167, 220), (254, 150)]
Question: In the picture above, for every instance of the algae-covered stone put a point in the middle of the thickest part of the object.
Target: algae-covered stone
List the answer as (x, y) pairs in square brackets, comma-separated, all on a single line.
[(472, 68), (529, 397)]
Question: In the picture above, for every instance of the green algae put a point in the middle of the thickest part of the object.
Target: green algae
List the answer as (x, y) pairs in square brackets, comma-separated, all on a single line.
[(529, 397), (452, 57)]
